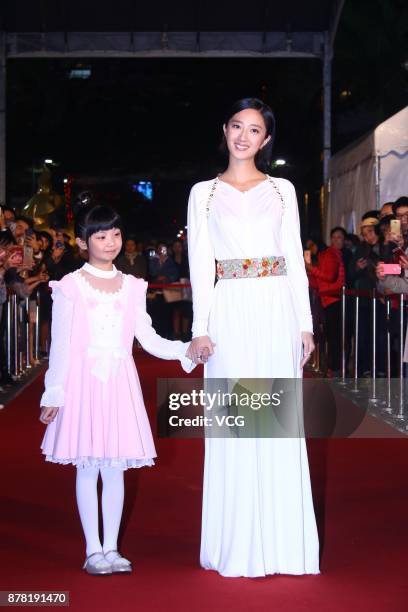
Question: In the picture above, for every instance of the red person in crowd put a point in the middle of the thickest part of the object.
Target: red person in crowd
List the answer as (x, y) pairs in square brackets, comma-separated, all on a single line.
[(329, 275)]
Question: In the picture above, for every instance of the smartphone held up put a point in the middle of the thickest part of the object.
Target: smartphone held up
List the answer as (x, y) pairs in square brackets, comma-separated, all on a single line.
[(391, 268)]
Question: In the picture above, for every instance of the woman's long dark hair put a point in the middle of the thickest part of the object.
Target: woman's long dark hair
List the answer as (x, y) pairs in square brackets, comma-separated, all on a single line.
[(264, 155)]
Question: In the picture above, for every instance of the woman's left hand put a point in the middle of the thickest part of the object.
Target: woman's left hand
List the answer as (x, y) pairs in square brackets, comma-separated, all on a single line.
[(308, 347)]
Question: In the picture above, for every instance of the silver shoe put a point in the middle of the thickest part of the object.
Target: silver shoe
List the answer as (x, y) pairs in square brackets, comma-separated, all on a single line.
[(119, 564), (97, 567)]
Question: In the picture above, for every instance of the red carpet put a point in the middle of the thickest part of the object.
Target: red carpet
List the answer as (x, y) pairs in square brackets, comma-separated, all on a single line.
[(360, 491)]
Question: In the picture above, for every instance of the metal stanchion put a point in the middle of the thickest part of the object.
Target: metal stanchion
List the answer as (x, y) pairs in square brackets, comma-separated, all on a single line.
[(374, 398), (20, 337), (37, 327), (400, 413), (356, 313), (16, 370), (8, 335), (388, 319), (343, 335), (318, 347), (27, 332), (21, 325)]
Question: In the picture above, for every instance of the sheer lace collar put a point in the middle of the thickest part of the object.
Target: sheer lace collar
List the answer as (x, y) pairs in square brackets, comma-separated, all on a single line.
[(101, 286)]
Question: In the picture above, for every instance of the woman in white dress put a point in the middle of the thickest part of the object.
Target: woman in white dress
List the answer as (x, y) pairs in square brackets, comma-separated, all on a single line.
[(258, 516)]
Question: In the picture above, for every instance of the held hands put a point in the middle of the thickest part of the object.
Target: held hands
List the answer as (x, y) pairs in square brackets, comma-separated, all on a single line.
[(200, 349), (308, 347), (48, 414)]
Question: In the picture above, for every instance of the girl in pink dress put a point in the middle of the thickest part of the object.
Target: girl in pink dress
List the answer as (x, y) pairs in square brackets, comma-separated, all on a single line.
[(93, 403)]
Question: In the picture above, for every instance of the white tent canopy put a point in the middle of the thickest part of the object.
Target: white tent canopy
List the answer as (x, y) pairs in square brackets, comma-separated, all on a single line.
[(368, 173)]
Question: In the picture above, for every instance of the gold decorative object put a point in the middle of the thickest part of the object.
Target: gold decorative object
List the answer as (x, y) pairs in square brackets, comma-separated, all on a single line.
[(46, 206)]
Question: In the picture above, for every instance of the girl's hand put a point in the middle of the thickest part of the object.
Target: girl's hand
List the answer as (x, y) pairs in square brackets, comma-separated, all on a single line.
[(200, 349), (308, 347), (48, 414)]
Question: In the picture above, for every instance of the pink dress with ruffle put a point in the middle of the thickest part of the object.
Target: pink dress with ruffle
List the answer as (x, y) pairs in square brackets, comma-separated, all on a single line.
[(92, 376)]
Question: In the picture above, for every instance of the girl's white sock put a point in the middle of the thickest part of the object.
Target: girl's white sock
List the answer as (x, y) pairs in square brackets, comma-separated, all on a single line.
[(112, 505), (87, 500)]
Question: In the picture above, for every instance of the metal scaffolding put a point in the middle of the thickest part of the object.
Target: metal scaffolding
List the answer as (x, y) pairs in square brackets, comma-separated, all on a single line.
[(52, 42)]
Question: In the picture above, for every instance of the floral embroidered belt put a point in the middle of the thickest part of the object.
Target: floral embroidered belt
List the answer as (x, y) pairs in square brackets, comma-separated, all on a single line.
[(273, 265)]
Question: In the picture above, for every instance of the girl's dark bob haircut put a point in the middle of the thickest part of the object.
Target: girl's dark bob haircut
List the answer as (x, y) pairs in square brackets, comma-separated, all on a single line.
[(264, 155), (94, 219)]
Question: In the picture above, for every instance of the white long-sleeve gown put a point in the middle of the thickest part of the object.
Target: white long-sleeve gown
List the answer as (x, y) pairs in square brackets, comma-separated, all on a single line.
[(258, 516)]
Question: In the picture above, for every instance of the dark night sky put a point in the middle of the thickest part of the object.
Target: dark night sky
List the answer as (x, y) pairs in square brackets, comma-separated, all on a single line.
[(161, 119)]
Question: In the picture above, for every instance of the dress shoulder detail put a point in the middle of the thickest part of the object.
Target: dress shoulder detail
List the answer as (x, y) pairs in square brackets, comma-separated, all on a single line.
[(66, 286), (283, 182), (139, 285), (200, 197), (202, 186)]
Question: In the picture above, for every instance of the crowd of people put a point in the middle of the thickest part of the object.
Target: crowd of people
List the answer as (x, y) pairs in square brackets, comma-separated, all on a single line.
[(356, 262), (30, 258)]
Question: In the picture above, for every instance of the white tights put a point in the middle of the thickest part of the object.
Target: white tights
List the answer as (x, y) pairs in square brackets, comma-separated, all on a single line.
[(112, 506)]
